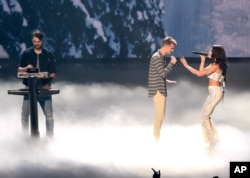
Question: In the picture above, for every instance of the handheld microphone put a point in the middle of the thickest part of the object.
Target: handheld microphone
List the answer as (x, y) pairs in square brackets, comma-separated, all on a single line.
[(200, 53), (176, 65)]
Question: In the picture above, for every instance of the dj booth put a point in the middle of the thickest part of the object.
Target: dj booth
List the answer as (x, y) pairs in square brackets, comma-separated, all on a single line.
[(33, 93)]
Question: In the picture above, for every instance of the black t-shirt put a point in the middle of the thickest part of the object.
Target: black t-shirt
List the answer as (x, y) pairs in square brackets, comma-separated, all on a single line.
[(46, 62)]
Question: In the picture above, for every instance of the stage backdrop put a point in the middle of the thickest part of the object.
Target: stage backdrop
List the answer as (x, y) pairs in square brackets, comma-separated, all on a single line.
[(124, 28)]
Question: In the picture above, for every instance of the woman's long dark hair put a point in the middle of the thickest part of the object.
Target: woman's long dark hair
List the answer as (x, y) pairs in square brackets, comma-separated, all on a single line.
[(220, 58)]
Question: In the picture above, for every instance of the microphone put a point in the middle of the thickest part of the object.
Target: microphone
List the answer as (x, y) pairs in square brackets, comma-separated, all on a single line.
[(176, 65), (200, 53)]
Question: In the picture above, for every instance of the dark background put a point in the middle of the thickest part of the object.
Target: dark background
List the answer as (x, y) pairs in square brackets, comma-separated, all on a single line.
[(129, 71)]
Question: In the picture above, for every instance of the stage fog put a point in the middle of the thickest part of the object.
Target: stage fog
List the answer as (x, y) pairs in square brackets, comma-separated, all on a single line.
[(105, 130)]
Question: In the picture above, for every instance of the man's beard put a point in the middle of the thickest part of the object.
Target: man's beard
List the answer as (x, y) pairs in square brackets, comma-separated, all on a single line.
[(37, 47)]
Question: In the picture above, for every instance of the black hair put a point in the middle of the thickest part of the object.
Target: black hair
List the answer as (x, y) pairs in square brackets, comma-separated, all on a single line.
[(219, 56)]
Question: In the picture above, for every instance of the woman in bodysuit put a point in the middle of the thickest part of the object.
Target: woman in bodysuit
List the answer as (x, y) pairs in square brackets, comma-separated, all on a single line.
[(216, 74)]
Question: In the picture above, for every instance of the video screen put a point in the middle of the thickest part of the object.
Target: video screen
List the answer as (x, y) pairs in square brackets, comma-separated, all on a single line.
[(124, 29)]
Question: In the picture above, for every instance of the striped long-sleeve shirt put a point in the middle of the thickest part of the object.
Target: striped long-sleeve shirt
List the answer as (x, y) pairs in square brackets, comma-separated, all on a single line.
[(158, 72)]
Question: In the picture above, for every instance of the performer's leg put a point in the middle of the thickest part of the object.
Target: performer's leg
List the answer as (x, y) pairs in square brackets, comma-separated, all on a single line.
[(159, 104), (213, 130), (46, 105), (25, 113), (208, 129)]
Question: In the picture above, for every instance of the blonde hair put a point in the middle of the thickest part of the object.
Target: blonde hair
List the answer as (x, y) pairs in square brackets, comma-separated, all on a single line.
[(168, 40)]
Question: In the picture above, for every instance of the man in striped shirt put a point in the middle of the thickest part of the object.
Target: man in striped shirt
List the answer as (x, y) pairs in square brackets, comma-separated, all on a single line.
[(157, 88)]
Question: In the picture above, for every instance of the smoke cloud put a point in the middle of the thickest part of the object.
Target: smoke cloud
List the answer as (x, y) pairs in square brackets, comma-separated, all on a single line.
[(105, 130)]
